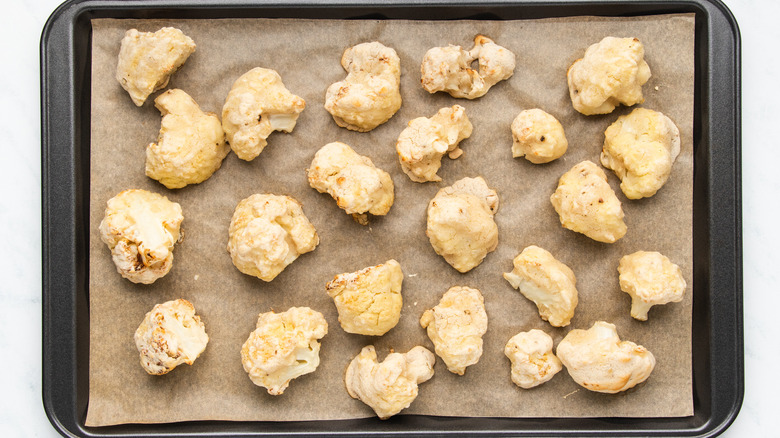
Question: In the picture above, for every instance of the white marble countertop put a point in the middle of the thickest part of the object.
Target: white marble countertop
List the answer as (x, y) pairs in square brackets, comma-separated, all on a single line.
[(21, 412)]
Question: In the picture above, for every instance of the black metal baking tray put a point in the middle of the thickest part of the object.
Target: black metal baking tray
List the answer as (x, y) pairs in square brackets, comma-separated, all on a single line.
[(717, 240)]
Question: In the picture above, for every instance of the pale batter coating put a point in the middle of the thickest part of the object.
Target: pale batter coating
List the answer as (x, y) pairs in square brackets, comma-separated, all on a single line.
[(538, 136), (650, 278), (267, 233), (533, 361), (424, 142)]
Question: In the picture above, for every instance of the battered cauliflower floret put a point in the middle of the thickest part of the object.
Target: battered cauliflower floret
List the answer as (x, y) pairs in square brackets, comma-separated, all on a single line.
[(460, 223), (256, 106), (650, 278), (538, 136), (641, 148), (267, 233), (147, 60), (369, 301), (352, 180), (390, 386), (140, 228), (598, 361), (456, 327), (370, 94), (283, 346), (550, 284), (449, 69), (611, 72), (190, 146), (424, 142), (587, 204), (170, 334), (533, 361)]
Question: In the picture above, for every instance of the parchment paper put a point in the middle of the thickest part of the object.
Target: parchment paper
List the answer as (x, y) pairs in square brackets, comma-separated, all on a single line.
[(307, 55)]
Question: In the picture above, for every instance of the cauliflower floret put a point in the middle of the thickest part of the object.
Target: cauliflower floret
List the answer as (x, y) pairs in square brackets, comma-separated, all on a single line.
[(650, 278), (170, 334), (597, 360), (147, 60), (460, 223), (538, 136), (550, 284), (190, 146), (456, 327), (369, 301), (267, 233), (424, 142), (283, 346), (370, 94), (390, 386), (641, 148), (140, 228), (449, 69), (587, 204), (257, 105), (352, 180), (533, 361), (611, 72)]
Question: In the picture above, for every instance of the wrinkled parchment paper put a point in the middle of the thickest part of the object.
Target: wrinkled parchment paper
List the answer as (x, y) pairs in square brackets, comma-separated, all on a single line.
[(307, 54)]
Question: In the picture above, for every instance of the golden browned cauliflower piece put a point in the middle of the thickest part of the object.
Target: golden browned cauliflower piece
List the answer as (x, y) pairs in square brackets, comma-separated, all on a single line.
[(190, 146), (456, 327), (390, 386), (283, 346), (369, 301), (140, 228), (449, 69), (170, 334), (650, 278), (550, 284), (538, 136), (267, 233), (611, 72), (147, 60), (598, 361), (587, 204), (257, 105), (352, 180), (641, 148), (424, 142), (460, 223), (533, 361), (370, 94)]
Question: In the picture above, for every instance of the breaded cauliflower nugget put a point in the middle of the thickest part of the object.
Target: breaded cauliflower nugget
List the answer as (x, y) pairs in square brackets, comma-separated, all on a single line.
[(641, 148), (611, 73), (449, 69), (392, 385), (538, 136), (598, 361), (368, 301), (267, 233), (456, 326), (533, 361), (650, 278), (147, 60), (257, 105), (550, 284), (370, 94), (424, 142), (140, 228), (190, 146), (283, 346), (460, 223), (170, 334), (352, 180), (587, 204)]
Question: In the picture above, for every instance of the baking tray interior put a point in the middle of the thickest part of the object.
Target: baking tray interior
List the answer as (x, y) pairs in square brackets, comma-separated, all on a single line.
[(717, 247)]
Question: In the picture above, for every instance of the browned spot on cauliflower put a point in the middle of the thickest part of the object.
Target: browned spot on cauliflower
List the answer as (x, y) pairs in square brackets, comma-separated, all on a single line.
[(650, 278), (533, 361)]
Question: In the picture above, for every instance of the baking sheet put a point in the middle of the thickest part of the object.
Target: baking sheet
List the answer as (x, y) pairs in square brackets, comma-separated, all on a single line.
[(216, 387)]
